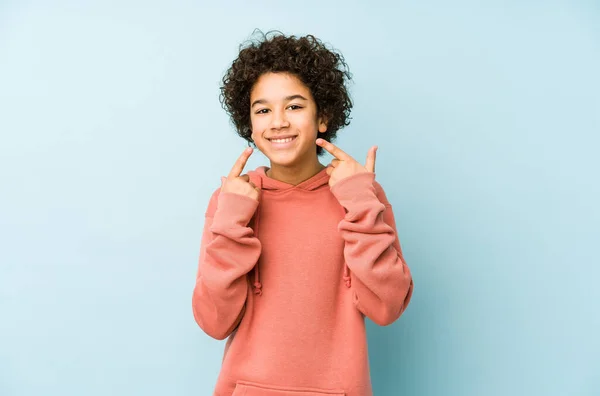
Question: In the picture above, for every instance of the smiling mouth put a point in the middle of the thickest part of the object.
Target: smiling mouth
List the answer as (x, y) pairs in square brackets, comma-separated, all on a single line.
[(283, 144), (280, 140)]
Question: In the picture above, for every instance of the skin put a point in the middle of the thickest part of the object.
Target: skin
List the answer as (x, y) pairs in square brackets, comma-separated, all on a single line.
[(237, 183), (281, 105), (275, 111), (343, 165)]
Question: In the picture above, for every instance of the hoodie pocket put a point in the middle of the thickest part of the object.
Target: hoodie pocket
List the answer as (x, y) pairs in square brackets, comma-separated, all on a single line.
[(245, 388)]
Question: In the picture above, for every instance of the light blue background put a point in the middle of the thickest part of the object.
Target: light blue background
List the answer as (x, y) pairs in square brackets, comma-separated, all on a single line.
[(487, 115)]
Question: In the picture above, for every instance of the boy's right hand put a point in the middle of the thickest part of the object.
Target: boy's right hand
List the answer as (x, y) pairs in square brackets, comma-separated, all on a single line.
[(240, 184)]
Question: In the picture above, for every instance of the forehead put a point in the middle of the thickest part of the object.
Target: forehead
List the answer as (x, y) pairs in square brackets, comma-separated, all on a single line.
[(274, 86)]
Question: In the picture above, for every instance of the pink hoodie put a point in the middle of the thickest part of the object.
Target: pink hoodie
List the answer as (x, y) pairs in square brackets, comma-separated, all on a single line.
[(290, 280)]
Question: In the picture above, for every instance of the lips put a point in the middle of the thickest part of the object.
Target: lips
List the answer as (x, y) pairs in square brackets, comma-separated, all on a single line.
[(277, 145), (281, 137)]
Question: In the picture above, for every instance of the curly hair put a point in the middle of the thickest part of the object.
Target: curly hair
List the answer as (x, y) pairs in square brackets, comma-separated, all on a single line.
[(321, 69)]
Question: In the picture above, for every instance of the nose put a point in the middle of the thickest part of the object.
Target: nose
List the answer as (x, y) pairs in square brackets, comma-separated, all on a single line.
[(279, 120)]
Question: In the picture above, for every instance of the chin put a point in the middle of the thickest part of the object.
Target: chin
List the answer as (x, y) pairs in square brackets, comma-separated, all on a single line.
[(284, 159), (277, 160)]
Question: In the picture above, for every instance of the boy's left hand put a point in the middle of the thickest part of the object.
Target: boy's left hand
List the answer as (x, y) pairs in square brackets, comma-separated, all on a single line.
[(343, 165)]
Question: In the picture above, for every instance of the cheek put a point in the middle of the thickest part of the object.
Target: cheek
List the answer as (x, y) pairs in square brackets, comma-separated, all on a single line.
[(307, 122), (309, 126), (258, 125), (254, 127), (257, 133)]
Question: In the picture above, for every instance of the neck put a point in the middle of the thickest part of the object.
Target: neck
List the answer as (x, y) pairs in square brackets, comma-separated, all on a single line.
[(294, 175)]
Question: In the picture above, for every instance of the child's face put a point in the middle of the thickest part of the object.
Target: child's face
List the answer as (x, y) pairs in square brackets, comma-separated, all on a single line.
[(281, 105)]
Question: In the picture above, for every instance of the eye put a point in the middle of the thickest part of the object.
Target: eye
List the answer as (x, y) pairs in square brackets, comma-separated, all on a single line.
[(296, 107), (262, 111)]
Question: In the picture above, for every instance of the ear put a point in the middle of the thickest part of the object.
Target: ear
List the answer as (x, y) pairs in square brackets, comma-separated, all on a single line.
[(322, 121)]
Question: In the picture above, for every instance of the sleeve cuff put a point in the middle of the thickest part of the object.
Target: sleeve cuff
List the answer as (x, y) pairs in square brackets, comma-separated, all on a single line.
[(234, 210), (355, 188)]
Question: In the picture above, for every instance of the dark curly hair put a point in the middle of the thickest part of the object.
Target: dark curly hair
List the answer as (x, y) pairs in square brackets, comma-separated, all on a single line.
[(321, 69)]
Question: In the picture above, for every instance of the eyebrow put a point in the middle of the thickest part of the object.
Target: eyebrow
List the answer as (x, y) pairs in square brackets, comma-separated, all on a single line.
[(286, 99)]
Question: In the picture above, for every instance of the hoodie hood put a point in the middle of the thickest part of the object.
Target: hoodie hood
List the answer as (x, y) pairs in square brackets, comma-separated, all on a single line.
[(260, 179), (265, 183)]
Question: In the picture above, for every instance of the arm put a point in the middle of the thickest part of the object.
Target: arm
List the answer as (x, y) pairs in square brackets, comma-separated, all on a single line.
[(381, 281), (229, 250)]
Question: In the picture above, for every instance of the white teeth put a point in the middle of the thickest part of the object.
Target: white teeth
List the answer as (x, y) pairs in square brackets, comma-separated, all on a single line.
[(282, 140)]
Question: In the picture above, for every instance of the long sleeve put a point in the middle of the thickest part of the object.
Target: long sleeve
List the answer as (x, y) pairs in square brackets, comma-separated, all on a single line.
[(381, 281), (229, 250)]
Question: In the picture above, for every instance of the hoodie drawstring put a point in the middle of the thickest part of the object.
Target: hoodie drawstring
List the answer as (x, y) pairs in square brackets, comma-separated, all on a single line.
[(347, 275), (257, 284)]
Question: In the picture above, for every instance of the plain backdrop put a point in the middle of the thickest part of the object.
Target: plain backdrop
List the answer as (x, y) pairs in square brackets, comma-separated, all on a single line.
[(487, 117)]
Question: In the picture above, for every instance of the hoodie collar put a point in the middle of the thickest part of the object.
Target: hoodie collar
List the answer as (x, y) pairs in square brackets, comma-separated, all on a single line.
[(267, 183)]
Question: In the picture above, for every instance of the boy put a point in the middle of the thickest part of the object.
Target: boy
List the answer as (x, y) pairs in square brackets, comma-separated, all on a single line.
[(295, 255)]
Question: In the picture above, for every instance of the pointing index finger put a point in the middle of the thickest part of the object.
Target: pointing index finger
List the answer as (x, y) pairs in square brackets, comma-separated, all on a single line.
[(333, 149), (239, 165)]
